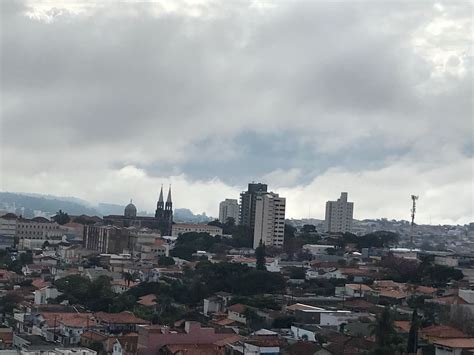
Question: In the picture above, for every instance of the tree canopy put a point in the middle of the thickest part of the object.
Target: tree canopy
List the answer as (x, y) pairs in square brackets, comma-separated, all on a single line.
[(61, 217)]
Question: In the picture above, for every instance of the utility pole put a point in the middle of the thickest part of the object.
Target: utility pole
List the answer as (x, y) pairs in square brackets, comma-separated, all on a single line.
[(413, 211)]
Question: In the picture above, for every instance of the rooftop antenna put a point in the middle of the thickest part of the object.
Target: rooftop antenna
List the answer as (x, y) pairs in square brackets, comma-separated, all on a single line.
[(413, 210)]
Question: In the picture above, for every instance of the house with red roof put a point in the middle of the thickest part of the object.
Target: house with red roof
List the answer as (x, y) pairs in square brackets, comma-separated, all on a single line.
[(236, 313), (151, 338), (119, 322)]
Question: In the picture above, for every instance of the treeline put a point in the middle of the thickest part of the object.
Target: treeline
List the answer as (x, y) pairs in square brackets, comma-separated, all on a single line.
[(174, 296), (379, 239), (424, 272), (189, 243), (15, 263)]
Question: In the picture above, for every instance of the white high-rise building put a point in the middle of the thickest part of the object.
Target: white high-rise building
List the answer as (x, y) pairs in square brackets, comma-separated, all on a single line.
[(269, 220), (339, 215), (229, 209)]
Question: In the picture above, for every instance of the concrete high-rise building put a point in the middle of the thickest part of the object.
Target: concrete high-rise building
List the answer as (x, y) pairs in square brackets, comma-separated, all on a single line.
[(229, 208), (269, 219), (247, 203), (339, 215)]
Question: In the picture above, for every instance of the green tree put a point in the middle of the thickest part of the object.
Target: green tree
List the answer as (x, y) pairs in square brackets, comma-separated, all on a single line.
[(127, 277), (61, 217), (242, 237), (97, 346), (283, 322), (215, 223), (308, 228), (386, 337), (260, 255), (183, 252), (412, 346), (290, 231), (165, 261)]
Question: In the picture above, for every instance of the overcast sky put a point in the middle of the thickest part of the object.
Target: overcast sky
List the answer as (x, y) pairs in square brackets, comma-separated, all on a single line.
[(106, 101)]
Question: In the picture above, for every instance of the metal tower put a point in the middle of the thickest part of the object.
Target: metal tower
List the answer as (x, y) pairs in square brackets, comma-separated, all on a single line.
[(413, 210)]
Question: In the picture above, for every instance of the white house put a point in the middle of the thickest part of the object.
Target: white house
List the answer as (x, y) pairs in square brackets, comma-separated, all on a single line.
[(453, 346), (303, 334), (236, 313), (326, 274), (42, 295), (117, 348), (353, 290)]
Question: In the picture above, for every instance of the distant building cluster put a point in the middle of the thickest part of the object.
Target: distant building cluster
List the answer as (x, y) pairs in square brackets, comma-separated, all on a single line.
[(321, 293)]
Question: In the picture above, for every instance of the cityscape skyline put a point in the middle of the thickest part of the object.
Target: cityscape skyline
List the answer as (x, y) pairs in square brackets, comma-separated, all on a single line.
[(245, 177), (308, 98)]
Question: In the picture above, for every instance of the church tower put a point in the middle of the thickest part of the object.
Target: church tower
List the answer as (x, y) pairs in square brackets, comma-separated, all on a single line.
[(164, 213), (160, 204), (169, 204)]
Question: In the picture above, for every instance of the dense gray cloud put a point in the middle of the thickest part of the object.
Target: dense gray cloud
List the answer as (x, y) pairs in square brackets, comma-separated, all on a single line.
[(308, 96)]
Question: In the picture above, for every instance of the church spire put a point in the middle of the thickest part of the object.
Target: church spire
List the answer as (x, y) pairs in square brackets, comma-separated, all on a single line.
[(169, 204), (160, 205), (168, 200), (160, 199)]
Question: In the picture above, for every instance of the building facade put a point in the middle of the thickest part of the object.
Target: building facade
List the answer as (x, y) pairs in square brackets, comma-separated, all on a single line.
[(8, 224), (269, 220), (229, 208), (248, 201), (339, 215), (106, 238), (33, 233)]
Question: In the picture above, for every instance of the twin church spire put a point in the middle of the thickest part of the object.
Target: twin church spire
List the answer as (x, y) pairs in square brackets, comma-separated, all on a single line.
[(161, 205)]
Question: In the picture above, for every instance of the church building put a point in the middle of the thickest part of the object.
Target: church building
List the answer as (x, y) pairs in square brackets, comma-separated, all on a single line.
[(162, 221)]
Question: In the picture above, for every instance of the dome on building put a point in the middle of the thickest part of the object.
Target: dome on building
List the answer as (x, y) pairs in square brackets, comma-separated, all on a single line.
[(130, 210)]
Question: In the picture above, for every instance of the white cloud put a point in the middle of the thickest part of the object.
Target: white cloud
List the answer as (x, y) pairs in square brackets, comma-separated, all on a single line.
[(107, 100)]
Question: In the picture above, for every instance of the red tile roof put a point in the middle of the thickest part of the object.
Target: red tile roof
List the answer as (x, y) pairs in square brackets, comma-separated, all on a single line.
[(94, 336), (402, 325), (40, 283), (426, 290), (119, 318), (238, 308), (6, 337), (77, 320), (442, 331), (193, 349), (147, 300), (393, 294)]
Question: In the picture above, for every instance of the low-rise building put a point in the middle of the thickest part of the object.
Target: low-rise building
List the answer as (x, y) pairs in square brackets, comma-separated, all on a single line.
[(46, 293), (236, 312), (152, 338), (119, 322), (181, 228), (454, 346)]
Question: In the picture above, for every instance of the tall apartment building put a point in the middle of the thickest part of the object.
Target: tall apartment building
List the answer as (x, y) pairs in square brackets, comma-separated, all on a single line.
[(269, 219), (247, 203), (229, 208), (339, 215)]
